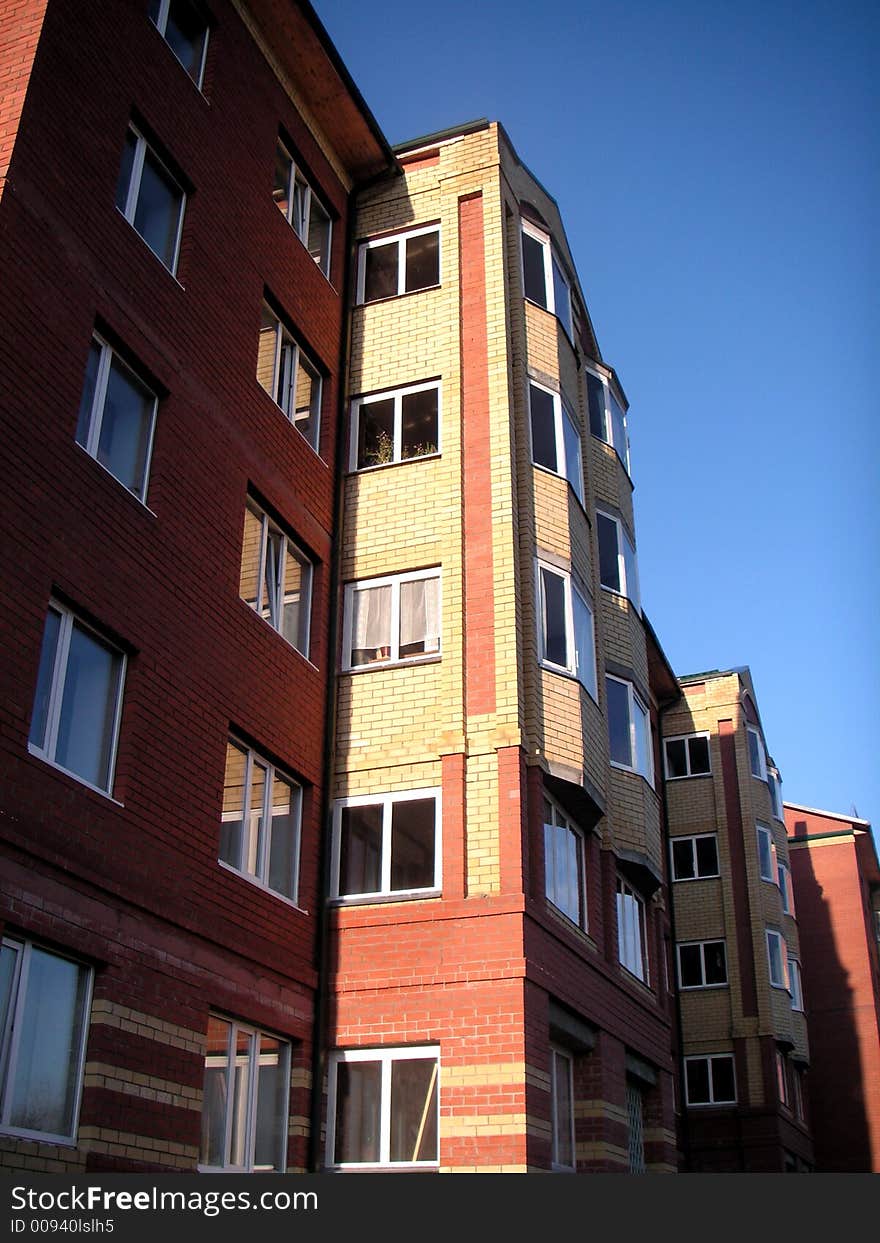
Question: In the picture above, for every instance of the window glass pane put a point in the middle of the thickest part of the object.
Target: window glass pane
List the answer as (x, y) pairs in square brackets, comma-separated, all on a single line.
[(697, 1076), (249, 583), (722, 1079), (643, 739), (212, 1150), (360, 850), (585, 649), (412, 843), (563, 1152), (765, 855), (186, 33), (376, 433), (125, 427), (534, 280), (307, 401), (422, 261), (284, 811), (716, 962), (676, 758), (297, 593), (414, 1110), (232, 824), (573, 464), (561, 297), (755, 756), (88, 709), (707, 856), (419, 617), (698, 749), (319, 236), (774, 950), (8, 956), (266, 350), (618, 428), (631, 571), (238, 1150), (43, 1094), (272, 570), (596, 402), (44, 679), (271, 1120), (543, 427), (255, 823), (125, 171), (380, 271), (371, 625), (418, 432), (609, 561), (157, 213), (618, 722), (683, 859), (300, 210), (690, 963), (281, 185), (554, 627), (357, 1111), (87, 400)]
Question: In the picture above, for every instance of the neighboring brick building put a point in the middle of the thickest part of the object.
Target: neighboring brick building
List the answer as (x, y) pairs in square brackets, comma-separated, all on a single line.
[(737, 954), (165, 570), (837, 890)]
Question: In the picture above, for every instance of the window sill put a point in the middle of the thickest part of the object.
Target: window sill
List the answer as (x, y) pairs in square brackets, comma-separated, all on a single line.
[(394, 664), (688, 776), (39, 1137), (703, 988), (59, 768), (369, 470), (258, 884), (384, 899), (395, 297), (141, 504), (679, 880)]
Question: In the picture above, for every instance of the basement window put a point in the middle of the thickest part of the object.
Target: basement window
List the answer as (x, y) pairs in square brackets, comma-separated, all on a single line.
[(403, 263)]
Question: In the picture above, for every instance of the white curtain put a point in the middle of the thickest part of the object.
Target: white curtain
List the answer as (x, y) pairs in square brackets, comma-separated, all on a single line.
[(372, 618), (420, 613)]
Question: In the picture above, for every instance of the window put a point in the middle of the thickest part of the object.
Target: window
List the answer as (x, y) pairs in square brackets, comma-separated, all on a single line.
[(544, 282), (392, 619), (245, 1105), (407, 262), (562, 1106), (556, 441), (632, 946), (694, 857), (795, 984), (395, 426), (687, 756), (77, 706), (185, 31), (777, 957), (798, 1092), (301, 208), (44, 1013), (785, 888), (710, 1080), (782, 1078), (289, 377), (757, 756), (635, 1117), (150, 199), (383, 1107), (564, 864), (766, 854), (775, 783), (618, 570), (276, 578), (260, 829), (607, 419), (117, 417), (386, 844), (629, 729), (702, 964), (566, 640)]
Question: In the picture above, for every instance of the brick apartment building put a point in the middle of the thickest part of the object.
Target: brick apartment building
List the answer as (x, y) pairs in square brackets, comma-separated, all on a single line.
[(837, 890)]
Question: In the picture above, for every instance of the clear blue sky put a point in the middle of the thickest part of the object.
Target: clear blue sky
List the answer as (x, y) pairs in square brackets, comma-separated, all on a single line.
[(716, 165)]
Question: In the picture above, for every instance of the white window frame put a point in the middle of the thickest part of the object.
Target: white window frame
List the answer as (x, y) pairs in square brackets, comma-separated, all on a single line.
[(693, 838), (795, 983), (680, 945), (401, 239), (552, 267), (46, 752), (797, 1093), (249, 1102), (394, 581), (635, 698), (387, 802), (161, 23), (10, 1039), (98, 408), (585, 672), (685, 738), (780, 981), (559, 1055), (260, 875), (761, 775), (563, 821), (386, 1056), (134, 188), (301, 228), (275, 606), (609, 437), (762, 831), (625, 940), (782, 1089), (774, 782), (629, 589), (397, 395), (288, 358), (562, 412), (710, 1058)]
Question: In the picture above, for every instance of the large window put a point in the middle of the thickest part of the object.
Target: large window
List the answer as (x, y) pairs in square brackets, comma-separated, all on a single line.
[(289, 377), (757, 754), (562, 1102), (710, 1080), (766, 854), (617, 558), (276, 577), (566, 638), (404, 263), (383, 1107), (694, 857), (702, 964), (386, 844), (777, 958), (687, 756), (185, 29), (607, 419), (150, 198), (629, 728), (392, 619), (395, 426), (246, 1100), (301, 207), (44, 1012), (260, 829), (564, 864), (632, 945), (75, 723), (544, 282), (556, 441), (117, 416)]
